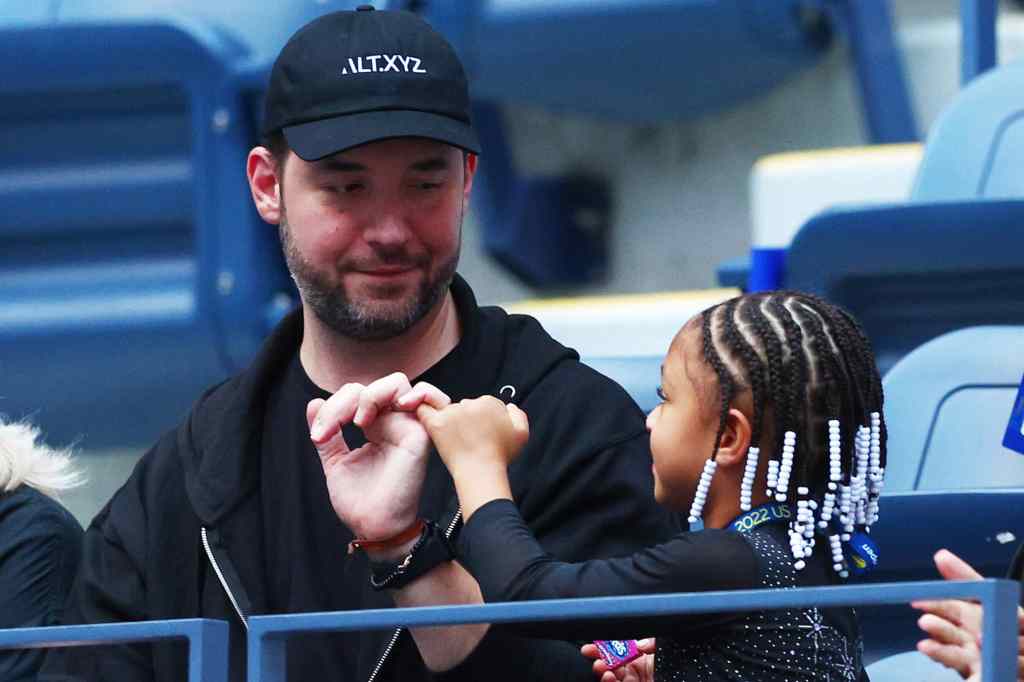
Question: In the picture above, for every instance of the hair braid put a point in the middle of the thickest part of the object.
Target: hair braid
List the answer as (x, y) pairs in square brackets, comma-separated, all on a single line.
[(799, 374), (752, 365), (725, 382), (876, 392), (778, 371)]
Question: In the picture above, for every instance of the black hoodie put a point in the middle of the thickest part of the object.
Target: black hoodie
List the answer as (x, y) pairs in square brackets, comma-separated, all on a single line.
[(182, 538)]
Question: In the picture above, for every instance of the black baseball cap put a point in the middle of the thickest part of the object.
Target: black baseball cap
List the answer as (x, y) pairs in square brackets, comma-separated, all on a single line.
[(352, 77)]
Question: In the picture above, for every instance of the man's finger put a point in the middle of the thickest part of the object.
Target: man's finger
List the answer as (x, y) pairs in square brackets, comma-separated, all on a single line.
[(953, 567), (423, 392), (334, 445), (312, 409), (379, 396), (948, 655), (335, 412)]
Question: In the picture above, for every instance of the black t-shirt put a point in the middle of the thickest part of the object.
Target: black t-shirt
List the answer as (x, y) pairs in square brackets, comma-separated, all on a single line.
[(307, 567), (306, 561)]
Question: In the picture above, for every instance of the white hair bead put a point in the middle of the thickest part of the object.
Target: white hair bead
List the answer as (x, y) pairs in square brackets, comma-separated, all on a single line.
[(697, 508), (747, 485)]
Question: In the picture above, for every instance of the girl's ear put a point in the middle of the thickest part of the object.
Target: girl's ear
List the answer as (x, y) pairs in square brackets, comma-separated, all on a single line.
[(732, 449)]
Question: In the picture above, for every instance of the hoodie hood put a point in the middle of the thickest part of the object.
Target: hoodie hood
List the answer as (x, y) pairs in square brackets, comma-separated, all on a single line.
[(219, 443), (220, 440)]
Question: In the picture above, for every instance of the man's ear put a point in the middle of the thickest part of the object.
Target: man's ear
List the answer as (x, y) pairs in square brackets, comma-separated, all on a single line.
[(469, 173), (732, 449), (264, 183)]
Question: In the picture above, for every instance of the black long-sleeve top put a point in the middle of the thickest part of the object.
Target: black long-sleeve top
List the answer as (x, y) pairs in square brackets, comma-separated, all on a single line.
[(40, 547), (795, 644)]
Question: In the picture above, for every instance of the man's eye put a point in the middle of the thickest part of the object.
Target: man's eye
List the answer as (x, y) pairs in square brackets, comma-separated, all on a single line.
[(661, 394), (428, 185), (352, 187)]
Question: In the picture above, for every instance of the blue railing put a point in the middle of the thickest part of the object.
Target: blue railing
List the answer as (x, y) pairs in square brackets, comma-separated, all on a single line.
[(207, 640), (268, 634)]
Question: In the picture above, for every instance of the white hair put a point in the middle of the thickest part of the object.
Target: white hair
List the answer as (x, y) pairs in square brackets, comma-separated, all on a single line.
[(24, 460)]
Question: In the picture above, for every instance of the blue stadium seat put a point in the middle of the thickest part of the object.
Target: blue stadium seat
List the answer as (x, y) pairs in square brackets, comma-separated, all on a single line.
[(639, 375), (948, 258), (911, 272), (976, 147), (121, 291), (910, 666), (948, 403)]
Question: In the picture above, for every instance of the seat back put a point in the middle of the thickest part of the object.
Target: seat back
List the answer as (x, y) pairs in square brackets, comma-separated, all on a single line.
[(975, 149), (910, 665), (947, 405), (911, 272)]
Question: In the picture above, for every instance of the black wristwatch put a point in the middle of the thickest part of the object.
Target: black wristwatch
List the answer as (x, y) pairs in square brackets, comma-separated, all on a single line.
[(431, 549)]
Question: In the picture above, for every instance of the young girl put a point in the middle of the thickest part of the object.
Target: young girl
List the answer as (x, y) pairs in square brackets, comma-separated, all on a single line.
[(770, 431)]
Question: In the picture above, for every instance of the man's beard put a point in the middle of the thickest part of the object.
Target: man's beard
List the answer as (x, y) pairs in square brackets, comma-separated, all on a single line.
[(366, 321)]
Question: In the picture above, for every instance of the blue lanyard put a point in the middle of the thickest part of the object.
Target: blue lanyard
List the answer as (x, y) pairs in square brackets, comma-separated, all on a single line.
[(861, 551), (758, 516)]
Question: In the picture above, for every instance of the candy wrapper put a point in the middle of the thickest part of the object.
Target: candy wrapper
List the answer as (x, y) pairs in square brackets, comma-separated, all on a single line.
[(616, 652)]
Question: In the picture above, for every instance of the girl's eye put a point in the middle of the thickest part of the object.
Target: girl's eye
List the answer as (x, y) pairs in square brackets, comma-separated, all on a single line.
[(353, 187), (661, 394), (428, 185)]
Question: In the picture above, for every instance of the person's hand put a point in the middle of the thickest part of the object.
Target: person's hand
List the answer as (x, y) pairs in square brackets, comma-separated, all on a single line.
[(479, 433), (954, 625), (638, 670), (374, 489)]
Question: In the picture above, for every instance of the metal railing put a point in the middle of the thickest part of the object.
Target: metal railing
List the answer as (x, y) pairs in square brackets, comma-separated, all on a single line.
[(207, 640), (267, 638), (999, 598)]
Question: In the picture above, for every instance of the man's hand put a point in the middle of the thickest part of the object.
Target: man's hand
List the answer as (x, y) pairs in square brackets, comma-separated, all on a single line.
[(374, 489), (954, 625), (638, 670)]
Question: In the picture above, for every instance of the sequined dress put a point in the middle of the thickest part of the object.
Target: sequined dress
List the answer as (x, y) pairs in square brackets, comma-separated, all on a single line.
[(795, 645)]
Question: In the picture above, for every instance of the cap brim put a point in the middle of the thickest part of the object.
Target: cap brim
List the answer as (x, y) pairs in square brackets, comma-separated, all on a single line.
[(319, 139)]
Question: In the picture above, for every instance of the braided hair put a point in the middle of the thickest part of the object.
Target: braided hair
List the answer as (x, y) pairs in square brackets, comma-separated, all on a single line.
[(809, 365)]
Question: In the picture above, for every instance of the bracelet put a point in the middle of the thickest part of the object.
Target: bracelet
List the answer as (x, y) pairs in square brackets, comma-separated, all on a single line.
[(430, 550), (409, 533)]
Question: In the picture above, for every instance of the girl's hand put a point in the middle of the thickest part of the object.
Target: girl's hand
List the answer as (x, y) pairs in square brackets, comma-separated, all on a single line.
[(477, 439), (482, 432), (639, 670)]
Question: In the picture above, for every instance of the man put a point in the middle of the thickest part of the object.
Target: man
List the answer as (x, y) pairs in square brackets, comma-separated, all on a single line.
[(366, 169)]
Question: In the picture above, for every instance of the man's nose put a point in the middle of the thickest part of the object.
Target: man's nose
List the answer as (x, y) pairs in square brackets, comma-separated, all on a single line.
[(386, 227)]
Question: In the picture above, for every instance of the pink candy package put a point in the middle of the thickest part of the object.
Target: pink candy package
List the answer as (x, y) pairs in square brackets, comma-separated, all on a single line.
[(616, 652)]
